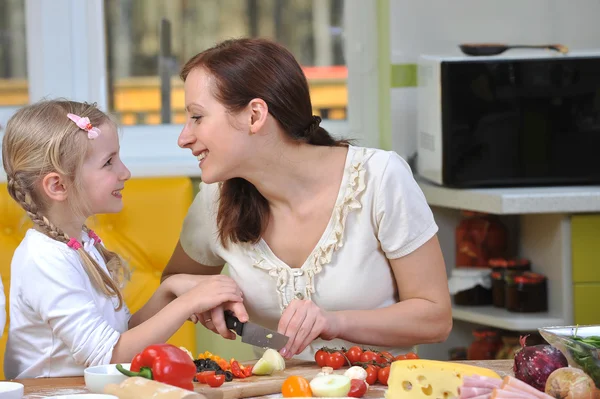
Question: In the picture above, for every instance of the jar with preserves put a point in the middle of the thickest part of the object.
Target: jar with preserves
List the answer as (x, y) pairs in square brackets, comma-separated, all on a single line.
[(527, 293), (479, 237), (486, 345)]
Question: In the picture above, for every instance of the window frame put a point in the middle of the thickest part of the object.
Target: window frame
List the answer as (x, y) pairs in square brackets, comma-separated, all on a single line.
[(66, 50)]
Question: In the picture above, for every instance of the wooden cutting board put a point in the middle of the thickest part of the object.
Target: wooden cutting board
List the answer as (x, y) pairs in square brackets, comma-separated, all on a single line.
[(270, 384)]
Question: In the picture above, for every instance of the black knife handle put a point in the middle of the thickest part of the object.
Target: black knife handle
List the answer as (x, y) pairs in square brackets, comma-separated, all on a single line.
[(233, 323)]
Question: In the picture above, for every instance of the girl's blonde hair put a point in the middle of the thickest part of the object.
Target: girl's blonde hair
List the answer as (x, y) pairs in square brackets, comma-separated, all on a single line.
[(40, 139)]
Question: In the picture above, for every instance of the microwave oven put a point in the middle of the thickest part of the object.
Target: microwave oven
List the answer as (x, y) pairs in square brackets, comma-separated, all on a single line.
[(516, 120)]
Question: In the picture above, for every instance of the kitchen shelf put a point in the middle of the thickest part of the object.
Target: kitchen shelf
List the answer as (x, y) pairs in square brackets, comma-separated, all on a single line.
[(512, 201), (501, 318)]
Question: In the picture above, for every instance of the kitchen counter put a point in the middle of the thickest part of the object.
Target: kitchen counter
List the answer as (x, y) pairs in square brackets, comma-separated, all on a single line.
[(42, 387)]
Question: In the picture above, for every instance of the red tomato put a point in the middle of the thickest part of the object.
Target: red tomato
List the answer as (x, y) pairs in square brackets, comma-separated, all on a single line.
[(387, 356), (383, 374), (336, 360), (201, 376), (371, 374), (354, 354), (370, 356), (215, 380), (321, 357), (401, 357), (357, 388), (412, 355)]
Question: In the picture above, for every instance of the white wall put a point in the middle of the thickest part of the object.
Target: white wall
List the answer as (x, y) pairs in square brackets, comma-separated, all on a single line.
[(438, 26)]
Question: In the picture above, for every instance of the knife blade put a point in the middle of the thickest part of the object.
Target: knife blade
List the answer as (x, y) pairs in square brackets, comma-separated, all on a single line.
[(255, 334)]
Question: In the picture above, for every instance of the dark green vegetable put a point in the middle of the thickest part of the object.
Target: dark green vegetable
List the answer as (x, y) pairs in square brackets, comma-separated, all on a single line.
[(583, 355)]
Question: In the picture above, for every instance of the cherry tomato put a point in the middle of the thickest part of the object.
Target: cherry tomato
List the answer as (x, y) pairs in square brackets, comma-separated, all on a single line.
[(371, 374), (370, 356), (321, 357), (295, 386), (387, 356), (215, 380), (412, 355), (354, 354), (201, 376), (357, 388), (383, 374), (401, 357), (336, 360)]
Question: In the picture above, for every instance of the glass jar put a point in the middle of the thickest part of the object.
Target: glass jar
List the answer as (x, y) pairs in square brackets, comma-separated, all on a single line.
[(498, 289), (509, 268), (478, 238), (471, 286), (527, 293), (510, 345), (486, 345)]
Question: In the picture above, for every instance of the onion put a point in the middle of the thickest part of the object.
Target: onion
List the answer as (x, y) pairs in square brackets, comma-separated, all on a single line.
[(533, 364), (570, 383)]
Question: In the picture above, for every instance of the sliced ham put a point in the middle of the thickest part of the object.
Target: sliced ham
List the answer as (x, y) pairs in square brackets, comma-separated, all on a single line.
[(465, 392), (512, 382), (499, 393), (480, 381)]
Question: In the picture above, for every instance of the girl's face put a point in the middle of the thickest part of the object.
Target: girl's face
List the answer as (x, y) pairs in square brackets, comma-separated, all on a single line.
[(103, 174), (219, 139)]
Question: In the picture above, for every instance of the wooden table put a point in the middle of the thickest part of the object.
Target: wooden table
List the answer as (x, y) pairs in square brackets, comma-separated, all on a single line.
[(43, 387)]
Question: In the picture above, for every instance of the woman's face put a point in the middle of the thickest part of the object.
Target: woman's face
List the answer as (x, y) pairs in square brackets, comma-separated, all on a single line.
[(220, 140)]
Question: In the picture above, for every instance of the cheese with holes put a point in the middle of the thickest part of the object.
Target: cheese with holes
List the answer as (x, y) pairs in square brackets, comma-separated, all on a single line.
[(429, 379)]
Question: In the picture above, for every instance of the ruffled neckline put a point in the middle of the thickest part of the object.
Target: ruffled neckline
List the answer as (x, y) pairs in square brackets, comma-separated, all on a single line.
[(332, 239)]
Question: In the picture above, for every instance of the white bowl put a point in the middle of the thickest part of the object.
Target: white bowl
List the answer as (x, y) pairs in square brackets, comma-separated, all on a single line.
[(11, 390), (97, 377), (84, 396)]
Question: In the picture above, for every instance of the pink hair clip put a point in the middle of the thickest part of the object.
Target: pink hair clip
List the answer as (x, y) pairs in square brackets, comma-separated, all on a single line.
[(73, 243), (94, 237), (84, 124)]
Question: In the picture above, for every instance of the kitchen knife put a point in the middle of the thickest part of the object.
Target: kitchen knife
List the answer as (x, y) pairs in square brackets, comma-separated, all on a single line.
[(255, 334)]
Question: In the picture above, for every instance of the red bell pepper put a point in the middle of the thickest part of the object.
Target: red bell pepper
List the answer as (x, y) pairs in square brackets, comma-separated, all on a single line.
[(164, 363)]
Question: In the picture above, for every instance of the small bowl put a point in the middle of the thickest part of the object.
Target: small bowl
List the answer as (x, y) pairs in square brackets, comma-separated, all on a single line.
[(579, 354), (84, 396), (97, 377), (11, 390)]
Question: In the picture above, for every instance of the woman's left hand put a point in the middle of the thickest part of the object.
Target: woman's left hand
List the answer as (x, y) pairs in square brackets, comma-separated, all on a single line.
[(303, 322)]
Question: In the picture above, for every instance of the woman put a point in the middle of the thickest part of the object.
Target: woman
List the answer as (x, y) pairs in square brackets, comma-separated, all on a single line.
[(327, 241)]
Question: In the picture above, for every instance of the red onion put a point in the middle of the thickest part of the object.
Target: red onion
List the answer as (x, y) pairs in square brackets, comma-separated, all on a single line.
[(533, 364)]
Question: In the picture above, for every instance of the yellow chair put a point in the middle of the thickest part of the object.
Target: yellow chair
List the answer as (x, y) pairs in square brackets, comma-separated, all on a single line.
[(144, 234)]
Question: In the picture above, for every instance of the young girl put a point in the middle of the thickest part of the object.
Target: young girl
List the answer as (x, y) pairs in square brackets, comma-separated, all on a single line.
[(66, 307)]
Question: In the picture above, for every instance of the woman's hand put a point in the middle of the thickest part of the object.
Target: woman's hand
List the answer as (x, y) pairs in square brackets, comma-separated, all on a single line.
[(214, 319), (303, 322)]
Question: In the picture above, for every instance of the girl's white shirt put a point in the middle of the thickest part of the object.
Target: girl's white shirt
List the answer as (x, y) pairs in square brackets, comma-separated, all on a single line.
[(2, 307), (59, 322)]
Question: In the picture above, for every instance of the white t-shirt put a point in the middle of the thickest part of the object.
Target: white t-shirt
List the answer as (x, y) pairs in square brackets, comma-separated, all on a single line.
[(59, 322), (2, 308), (380, 214)]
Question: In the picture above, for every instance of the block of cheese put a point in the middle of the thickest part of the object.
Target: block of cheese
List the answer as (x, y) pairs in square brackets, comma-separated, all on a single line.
[(138, 387), (429, 379)]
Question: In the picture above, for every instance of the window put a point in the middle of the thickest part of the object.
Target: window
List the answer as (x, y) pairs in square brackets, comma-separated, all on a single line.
[(149, 40), (13, 58)]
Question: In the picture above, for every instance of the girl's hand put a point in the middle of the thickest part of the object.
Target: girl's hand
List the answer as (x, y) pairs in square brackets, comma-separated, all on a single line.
[(179, 284), (211, 294), (303, 322)]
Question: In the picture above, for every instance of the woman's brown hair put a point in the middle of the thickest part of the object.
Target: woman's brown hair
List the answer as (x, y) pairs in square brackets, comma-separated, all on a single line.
[(245, 69)]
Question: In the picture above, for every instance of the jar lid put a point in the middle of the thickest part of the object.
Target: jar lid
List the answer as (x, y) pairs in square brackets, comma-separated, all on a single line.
[(529, 278), (485, 333), (506, 263)]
